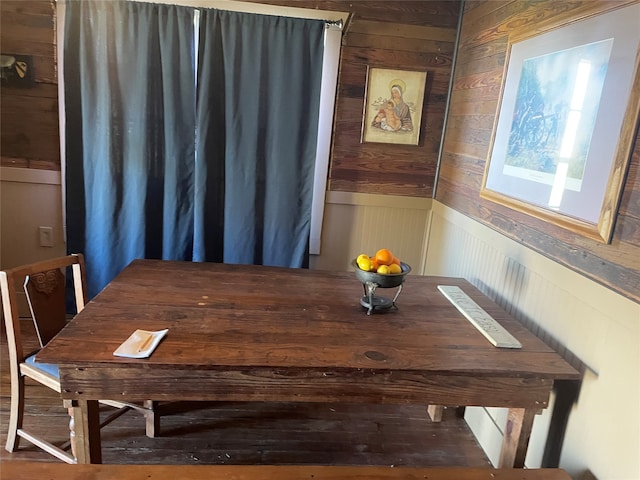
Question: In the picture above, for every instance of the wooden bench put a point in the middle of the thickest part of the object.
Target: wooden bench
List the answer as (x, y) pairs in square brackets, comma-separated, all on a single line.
[(18, 470)]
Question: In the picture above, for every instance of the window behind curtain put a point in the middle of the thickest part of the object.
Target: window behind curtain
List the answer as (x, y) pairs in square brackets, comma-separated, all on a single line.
[(166, 201)]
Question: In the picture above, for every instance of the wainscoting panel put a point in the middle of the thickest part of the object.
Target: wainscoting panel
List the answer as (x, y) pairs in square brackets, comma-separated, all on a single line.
[(357, 223), (29, 199), (594, 328)]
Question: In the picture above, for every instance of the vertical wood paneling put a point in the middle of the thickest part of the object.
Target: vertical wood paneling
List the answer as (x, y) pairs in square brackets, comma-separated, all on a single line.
[(505, 280), (400, 230), (486, 29), (595, 329), (365, 223)]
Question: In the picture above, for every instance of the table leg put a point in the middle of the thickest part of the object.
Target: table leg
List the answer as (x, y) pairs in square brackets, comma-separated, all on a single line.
[(84, 429), (516, 437), (152, 418), (435, 412), (567, 392)]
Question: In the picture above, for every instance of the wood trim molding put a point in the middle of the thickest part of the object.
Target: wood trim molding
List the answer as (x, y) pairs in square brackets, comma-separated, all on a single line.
[(30, 175), (373, 200)]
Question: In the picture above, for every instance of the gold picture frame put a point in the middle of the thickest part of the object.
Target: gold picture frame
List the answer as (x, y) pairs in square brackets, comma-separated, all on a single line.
[(393, 106), (567, 118)]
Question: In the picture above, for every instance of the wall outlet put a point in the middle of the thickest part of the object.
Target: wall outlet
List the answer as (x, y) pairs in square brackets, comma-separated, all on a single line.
[(46, 236)]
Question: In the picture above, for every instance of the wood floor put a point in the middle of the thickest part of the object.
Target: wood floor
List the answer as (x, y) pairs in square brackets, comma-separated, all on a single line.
[(250, 433)]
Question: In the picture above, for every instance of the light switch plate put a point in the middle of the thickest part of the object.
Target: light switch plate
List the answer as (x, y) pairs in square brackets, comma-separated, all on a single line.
[(46, 236)]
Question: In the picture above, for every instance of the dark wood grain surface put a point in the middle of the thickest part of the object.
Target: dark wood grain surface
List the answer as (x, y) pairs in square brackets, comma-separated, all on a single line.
[(38, 471), (275, 334), (29, 134), (251, 433), (268, 334), (254, 316)]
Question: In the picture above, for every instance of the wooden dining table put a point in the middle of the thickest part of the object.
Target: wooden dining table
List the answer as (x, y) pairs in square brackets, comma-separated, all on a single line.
[(267, 334)]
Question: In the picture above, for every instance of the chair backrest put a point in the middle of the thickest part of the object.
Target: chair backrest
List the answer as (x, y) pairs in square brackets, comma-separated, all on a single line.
[(44, 284)]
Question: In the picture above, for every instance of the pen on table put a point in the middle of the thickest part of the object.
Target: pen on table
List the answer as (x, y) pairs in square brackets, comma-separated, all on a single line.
[(145, 343)]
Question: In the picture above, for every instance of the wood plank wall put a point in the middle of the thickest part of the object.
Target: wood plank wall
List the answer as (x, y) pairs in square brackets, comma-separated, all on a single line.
[(398, 34), (29, 136), (407, 35), (479, 68)]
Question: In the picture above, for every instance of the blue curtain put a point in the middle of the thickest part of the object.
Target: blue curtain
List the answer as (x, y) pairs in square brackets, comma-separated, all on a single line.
[(157, 167), (257, 121), (130, 98)]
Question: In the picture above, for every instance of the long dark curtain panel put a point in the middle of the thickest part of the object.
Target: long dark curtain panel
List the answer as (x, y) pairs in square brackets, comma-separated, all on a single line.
[(259, 80), (161, 166), (130, 120)]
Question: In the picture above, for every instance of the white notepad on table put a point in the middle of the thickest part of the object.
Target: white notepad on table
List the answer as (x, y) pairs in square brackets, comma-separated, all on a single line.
[(140, 344)]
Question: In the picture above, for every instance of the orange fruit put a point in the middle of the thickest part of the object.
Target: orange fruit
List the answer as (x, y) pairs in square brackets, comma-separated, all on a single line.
[(374, 264), (384, 256), (395, 261)]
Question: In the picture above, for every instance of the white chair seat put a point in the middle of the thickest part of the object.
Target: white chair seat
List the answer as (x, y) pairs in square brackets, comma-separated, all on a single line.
[(49, 368)]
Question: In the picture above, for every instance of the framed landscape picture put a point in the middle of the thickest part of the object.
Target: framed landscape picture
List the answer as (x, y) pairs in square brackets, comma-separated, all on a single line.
[(393, 106), (566, 123)]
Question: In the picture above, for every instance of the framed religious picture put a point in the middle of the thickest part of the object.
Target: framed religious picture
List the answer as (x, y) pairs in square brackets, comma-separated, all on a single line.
[(566, 123), (393, 106)]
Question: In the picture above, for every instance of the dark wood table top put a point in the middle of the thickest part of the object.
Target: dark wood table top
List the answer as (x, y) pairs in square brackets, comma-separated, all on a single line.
[(238, 316)]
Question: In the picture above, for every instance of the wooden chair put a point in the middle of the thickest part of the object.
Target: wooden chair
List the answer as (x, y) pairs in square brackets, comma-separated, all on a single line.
[(45, 287)]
